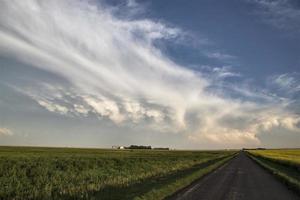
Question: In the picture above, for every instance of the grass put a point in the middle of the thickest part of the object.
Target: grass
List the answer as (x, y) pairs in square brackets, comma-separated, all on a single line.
[(67, 173), (285, 164)]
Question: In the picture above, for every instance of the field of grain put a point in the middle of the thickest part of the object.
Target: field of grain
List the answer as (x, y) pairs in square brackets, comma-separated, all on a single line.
[(284, 163), (67, 173), (285, 156)]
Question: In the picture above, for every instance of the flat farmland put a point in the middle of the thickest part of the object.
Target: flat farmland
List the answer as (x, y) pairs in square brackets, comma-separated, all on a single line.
[(69, 173), (284, 156)]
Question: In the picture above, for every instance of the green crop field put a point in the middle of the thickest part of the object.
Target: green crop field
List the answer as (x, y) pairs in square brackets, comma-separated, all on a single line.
[(284, 163), (68, 173)]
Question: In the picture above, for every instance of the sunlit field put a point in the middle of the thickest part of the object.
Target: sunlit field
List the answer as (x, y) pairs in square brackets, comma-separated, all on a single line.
[(288, 156), (67, 173), (285, 163)]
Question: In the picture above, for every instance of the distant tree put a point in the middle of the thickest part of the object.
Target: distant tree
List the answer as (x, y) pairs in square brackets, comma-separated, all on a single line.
[(139, 147)]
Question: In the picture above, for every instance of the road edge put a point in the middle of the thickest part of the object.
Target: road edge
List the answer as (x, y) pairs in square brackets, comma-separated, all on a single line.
[(277, 174), (219, 166)]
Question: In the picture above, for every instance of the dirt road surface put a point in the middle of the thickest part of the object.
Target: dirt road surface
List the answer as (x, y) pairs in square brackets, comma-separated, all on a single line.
[(241, 179)]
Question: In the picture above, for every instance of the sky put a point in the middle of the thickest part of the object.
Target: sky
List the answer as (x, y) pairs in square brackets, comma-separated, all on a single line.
[(197, 74)]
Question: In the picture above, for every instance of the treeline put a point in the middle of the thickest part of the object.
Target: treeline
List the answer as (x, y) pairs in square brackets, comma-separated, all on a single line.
[(145, 147), (138, 147)]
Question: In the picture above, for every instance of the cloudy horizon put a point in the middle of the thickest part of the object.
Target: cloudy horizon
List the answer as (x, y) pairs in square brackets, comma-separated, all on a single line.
[(103, 73)]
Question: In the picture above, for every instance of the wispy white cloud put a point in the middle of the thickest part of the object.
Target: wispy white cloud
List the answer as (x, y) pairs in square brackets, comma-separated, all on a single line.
[(288, 82), (132, 3), (220, 56), (116, 72), (218, 73), (53, 107), (225, 71), (73, 102), (5, 131), (283, 14)]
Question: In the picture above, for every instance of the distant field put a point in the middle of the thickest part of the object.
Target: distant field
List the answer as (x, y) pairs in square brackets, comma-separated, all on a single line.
[(285, 163), (65, 173)]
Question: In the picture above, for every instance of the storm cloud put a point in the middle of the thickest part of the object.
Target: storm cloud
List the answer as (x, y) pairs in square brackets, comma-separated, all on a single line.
[(115, 71)]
